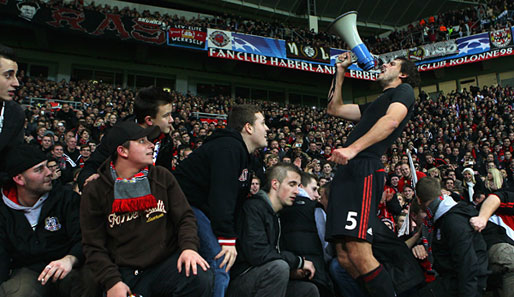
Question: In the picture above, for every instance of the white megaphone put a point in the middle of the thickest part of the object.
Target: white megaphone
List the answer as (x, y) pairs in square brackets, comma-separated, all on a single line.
[(345, 26)]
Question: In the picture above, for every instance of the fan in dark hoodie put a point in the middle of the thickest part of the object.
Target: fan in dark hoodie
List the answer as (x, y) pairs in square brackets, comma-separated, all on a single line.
[(460, 253), (215, 179)]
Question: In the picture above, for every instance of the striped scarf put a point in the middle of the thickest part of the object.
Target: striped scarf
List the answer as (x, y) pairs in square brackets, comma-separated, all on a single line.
[(132, 194)]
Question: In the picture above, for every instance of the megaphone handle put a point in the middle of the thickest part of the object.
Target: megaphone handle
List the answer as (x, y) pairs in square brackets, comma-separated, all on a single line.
[(354, 59), (333, 84)]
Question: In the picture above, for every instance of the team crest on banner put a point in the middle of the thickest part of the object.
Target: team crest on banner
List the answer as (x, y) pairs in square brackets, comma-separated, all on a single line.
[(52, 224), (219, 38), (416, 53), (501, 38)]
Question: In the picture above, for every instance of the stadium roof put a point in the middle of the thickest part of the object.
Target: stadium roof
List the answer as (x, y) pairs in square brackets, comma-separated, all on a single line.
[(375, 16)]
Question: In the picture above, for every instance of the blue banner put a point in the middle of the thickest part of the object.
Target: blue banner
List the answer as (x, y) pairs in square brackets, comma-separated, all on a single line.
[(258, 45)]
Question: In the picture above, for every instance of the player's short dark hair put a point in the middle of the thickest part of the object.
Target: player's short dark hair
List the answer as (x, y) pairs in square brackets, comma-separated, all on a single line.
[(242, 114), (411, 70), (279, 172), (428, 189), (147, 102), (7, 52)]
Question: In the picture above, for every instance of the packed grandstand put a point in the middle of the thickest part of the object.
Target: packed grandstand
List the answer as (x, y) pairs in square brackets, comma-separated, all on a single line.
[(462, 121)]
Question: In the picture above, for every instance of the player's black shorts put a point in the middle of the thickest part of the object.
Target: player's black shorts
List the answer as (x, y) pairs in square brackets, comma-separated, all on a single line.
[(354, 197)]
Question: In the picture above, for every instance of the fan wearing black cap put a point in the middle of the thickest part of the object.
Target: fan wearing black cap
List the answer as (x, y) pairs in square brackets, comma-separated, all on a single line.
[(152, 107), (139, 232), (40, 239)]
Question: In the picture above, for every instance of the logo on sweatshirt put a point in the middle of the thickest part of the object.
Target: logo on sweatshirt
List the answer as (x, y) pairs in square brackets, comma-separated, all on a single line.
[(244, 175), (151, 215), (52, 224)]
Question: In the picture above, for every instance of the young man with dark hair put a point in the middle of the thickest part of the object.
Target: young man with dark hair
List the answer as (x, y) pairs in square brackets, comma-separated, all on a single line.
[(152, 107), (46, 143), (215, 179), (11, 114), (138, 229), (448, 185), (65, 163), (263, 267), (460, 254), (303, 229), (85, 154), (358, 184), (40, 240), (255, 186)]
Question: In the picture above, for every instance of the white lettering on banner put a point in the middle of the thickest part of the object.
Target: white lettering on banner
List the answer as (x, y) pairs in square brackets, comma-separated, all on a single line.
[(188, 27), (468, 59), (442, 48), (284, 63), (327, 69), (324, 55), (293, 48), (188, 40)]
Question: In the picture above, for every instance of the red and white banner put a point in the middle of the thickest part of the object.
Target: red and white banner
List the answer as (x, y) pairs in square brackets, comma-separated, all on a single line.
[(286, 63), (467, 59)]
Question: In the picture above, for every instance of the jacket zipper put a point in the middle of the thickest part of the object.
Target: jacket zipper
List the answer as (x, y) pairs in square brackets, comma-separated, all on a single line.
[(279, 233)]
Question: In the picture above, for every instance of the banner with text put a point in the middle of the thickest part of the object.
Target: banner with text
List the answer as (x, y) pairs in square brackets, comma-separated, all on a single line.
[(251, 48), (287, 63), (93, 23), (307, 52), (187, 36)]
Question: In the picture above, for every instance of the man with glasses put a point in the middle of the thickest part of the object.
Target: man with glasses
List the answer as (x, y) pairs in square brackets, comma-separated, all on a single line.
[(85, 153)]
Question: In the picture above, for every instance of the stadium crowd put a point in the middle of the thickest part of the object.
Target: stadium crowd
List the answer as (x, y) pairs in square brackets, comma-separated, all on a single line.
[(444, 26), (462, 139), (455, 128)]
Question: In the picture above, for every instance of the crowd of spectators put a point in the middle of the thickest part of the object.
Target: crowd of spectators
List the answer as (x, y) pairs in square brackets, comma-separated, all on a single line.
[(448, 134), (443, 26)]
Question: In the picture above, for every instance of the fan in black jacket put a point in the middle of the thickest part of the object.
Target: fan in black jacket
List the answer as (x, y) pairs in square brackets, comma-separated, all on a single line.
[(40, 238), (216, 179), (263, 268), (460, 253), (11, 113)]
